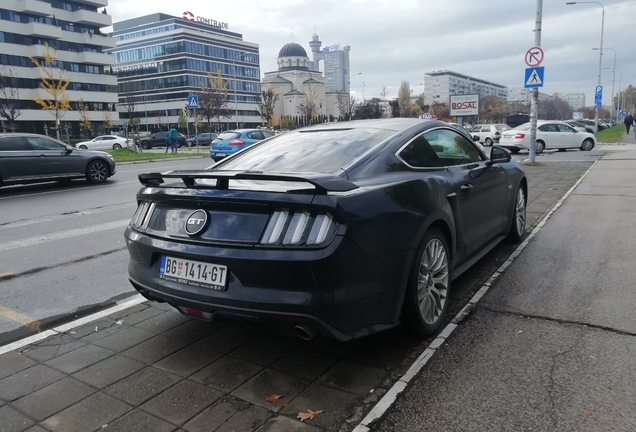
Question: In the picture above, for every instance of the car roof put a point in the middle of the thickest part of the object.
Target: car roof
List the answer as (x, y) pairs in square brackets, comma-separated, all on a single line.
[(396, 124), (22, 134)]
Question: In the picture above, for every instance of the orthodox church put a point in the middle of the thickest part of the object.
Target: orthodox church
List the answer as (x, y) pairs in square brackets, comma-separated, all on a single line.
[(297, 79)]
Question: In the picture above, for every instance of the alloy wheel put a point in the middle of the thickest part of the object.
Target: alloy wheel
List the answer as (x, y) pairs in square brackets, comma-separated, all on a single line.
[(540, 147), (116, 146), (587, 145), (432, 283), (98, 172), (520, 212)]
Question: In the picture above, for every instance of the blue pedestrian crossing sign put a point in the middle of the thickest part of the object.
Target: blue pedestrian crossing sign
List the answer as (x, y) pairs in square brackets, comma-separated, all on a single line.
[(534, 77), (193, 101), (598, 97)]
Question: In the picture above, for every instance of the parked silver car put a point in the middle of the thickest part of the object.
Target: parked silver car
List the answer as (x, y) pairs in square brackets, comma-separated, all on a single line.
[(31, 158)]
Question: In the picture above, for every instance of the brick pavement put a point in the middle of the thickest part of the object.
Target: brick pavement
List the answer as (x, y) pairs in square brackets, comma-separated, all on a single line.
[(150, 369)]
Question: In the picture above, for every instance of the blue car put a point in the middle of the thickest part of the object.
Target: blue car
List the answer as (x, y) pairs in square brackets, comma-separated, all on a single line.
[(230, 142)]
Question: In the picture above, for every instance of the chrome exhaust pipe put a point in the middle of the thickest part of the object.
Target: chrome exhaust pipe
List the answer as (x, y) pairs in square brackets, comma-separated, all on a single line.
[(305, 331)]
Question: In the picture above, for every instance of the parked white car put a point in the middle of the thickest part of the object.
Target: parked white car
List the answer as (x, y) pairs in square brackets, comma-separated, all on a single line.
[(550, 135), (104, 142), (489, 133)]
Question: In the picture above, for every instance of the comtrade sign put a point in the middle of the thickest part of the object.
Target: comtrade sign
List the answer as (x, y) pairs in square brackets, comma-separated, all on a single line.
[(464, 105), (189, 16)]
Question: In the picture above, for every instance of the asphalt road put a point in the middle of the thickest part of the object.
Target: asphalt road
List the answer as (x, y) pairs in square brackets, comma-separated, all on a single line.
[(62, 247)]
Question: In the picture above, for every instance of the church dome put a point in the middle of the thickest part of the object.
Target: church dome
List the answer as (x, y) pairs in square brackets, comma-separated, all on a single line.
[(292, 50)]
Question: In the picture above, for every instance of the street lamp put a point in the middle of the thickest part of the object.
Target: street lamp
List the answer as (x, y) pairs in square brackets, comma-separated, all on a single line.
[(235, 84), (613, 79), (600, 55)]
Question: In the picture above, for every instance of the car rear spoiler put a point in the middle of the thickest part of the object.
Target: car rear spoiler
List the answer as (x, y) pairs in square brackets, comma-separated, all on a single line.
[(323, 183)]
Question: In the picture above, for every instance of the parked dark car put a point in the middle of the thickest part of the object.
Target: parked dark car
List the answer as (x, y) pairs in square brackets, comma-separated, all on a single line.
[(201, 139), (31, 158), (343, 229), (159, 140)]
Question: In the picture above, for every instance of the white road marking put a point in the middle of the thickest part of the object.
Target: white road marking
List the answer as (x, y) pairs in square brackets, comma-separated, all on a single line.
[(52, 218), (390, 397), (62, 235)]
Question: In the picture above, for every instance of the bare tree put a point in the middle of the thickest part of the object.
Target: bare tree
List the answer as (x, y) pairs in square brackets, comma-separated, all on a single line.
[(346, 105), (213, 101), (308, 109), (9, 96), (126, 92), (384, 93), (404, 100), (267, 104)]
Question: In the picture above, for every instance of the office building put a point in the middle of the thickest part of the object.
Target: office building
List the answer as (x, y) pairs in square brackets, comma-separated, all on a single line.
[(440, 85), (161, 59), (335, 65), (523, 96), (72, 27)]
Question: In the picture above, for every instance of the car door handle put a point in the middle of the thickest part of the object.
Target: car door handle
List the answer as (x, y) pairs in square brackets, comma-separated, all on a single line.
[(466, 187)]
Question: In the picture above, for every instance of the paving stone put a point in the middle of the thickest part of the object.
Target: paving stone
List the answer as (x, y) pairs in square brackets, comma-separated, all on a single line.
[(121, 341), (246, 420), (28, 381), (328, 346), (142, 385), (109, 371), (105, 327), (304, 364), (163, 322), (193, 330), (127, 313), (217, 414), (139, 421), (13, 421), (88, 415), (337, 405), (264, 350), (387, 350), (53, 398), (228, 338), (155, 349), (36, 428), (141, 315), (188, 360), (353, 377), (13, 362), (285, 424), (51, 347), (181, 401), (270, 382), (80, 358), (226, 374)]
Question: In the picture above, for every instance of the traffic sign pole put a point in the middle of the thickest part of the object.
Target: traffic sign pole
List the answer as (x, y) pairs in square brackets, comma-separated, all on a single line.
[(534, 110)]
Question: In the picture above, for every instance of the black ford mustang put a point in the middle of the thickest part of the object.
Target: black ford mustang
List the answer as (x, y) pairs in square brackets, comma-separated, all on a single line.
[(343, 229)]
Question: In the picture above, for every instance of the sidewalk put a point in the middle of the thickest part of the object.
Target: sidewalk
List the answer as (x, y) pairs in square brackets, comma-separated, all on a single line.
[(150, 369), (551, 346)]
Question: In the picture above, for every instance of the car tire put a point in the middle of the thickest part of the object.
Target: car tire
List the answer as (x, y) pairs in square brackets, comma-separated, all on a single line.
[(488, 142), (145, 146), (540, 147), (426, 301), (97, 171), (83, 147), (116, 146), (514, 150), (518, 222), (587, 145)]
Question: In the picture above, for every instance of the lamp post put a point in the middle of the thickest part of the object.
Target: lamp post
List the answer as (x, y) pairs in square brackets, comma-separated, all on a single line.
[(600, 55), (359, 73), (620, 93), (235, 84), (146, 108), (613, 79)]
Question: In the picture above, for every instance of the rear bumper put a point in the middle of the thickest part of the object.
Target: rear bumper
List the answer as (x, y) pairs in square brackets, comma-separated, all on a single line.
[(339, 290)]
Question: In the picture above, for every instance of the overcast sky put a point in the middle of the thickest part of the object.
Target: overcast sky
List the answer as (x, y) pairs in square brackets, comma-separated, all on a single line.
[(395, 40)]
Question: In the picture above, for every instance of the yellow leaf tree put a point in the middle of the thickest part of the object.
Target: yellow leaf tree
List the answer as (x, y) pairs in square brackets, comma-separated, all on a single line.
[(85, 122), (52, 81), (108, 123)]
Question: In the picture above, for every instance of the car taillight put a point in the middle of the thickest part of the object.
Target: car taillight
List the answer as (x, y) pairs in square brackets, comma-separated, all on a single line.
[(298, 228), (520, 135), (497, 133), (237, 142), (141, 218)]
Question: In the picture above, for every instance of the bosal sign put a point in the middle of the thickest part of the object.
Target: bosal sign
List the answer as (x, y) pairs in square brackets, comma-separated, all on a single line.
[(464, 105), (189, 16)]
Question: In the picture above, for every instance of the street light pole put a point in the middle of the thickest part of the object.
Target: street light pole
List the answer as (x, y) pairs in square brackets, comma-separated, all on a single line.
[(146, 108), (600, 55), (613, 80)]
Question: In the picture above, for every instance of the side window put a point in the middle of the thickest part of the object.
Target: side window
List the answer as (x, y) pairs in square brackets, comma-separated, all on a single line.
[(255, 135), (420, 154), (452, 148), (39, 143), (565, 128), (267, 134), (12, 144), (548, 128), (476, 128), (108, 138), (486, 129)]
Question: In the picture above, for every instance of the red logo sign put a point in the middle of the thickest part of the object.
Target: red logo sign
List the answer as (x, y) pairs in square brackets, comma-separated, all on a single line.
[(188, 16), (463, 105)]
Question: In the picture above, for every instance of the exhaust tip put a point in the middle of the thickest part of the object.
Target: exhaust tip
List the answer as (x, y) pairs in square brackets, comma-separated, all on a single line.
[(305, 332)]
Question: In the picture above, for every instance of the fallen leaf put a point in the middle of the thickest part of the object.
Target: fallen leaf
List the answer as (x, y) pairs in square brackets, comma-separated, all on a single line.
[(400, 375), (587, 412), (273, 398), (309, 414), (118, 322)]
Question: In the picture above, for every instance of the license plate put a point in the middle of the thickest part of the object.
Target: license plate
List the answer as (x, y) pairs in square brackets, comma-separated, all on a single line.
[(193, 273), (220, 154)]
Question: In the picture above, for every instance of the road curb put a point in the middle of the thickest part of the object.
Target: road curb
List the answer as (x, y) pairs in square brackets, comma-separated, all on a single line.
[(391, 396), (160, 160)]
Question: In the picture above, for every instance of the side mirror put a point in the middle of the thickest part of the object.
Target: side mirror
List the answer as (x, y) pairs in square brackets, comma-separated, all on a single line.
[(499, 155), (475, 137)]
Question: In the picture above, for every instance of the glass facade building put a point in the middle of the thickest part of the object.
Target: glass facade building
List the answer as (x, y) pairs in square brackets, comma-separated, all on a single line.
[(161, 59)]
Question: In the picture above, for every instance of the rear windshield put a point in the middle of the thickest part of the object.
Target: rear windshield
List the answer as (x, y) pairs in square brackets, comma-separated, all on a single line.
[(502, 127), (325, 151), (228, 136)]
